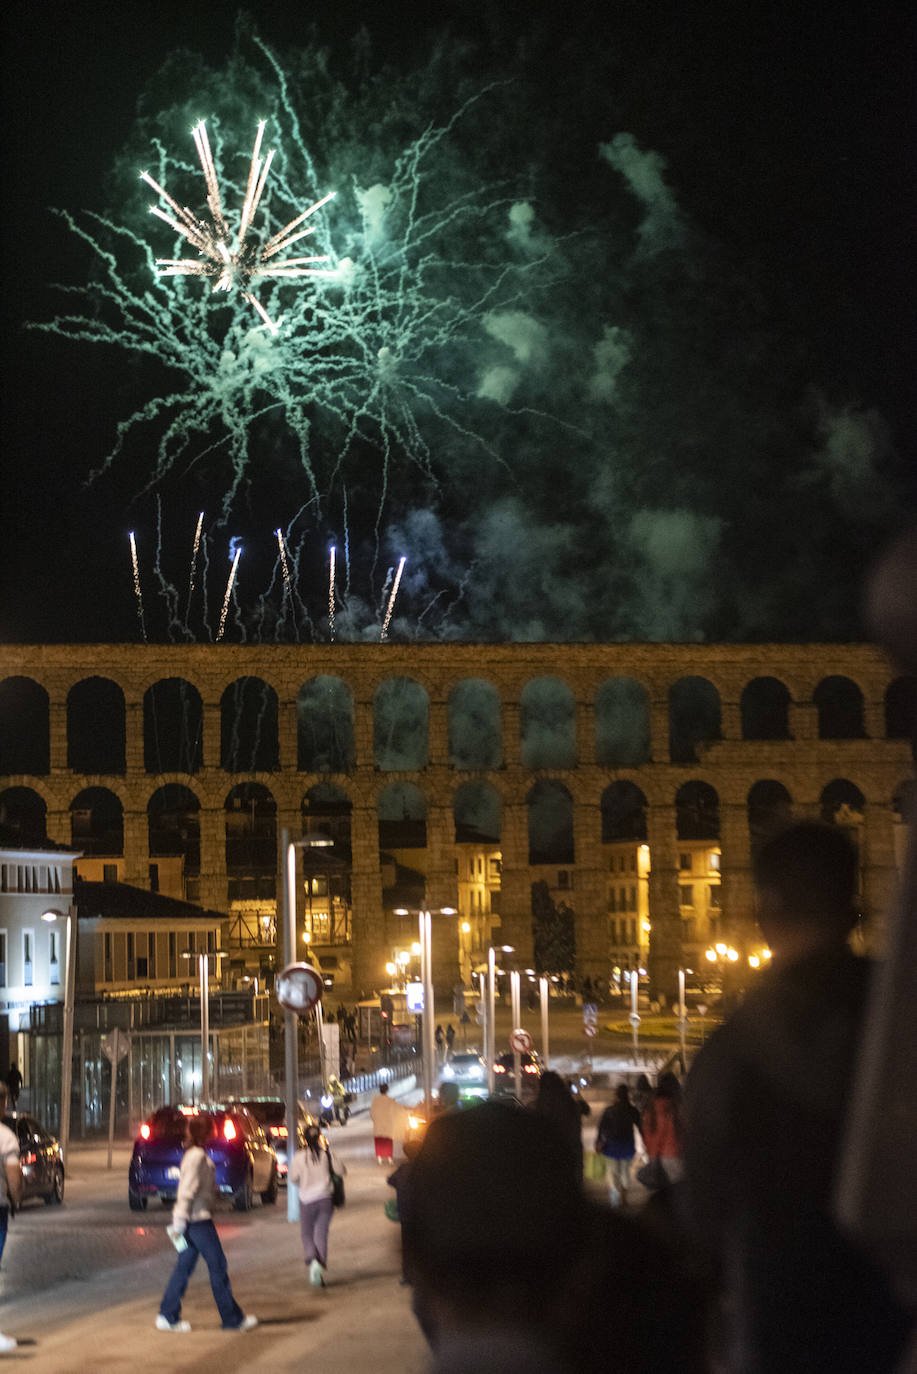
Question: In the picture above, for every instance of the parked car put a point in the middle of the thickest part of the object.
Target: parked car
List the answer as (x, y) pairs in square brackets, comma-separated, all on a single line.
[(245, 1159), (40, 1158), (271, 1114)]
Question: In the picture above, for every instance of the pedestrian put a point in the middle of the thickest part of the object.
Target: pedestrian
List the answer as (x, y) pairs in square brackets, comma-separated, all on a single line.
[(10, 1186), (662, 1127), (398, 1179), (195, 1235), (389, 1124), (450, 1039), (642, 1094), (14, 1083), (310, 1172), (765, 1106), (616, 1140), (440, 1039), (555, 1100)]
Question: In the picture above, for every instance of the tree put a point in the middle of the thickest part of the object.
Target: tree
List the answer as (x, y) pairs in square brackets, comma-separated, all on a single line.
[(554, 932)]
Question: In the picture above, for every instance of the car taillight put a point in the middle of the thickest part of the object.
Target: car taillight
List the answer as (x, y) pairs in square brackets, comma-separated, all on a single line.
[(499, 1068), (145, 1131), (229, 1130), (280, 1131), (30, 1159), (529, 1068)]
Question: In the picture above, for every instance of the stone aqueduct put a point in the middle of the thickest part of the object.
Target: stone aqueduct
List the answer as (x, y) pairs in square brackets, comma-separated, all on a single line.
[(801, 755)]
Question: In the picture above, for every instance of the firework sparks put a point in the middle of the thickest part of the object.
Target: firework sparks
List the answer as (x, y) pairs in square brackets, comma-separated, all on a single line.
[(331, 594), (135, 565), (233, 259), (391, 601), (283, 562), (194, 553), (229, 584)]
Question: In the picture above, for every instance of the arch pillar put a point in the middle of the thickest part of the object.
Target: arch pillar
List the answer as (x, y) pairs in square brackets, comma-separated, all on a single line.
[(442, 891), (287, 733), (878, 873), (803, 720), (516, 885), (133, 736), (57, 734), (213, 889), (589, 902), (211, 725), (437, 734), (369, 948), (665, 918), (659, 731), (510, 728), (136, 867), (736, 879)]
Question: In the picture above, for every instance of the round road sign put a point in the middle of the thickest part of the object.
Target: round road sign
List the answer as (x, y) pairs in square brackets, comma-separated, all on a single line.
[(590, 1029), (298, 988), (520, 1041)]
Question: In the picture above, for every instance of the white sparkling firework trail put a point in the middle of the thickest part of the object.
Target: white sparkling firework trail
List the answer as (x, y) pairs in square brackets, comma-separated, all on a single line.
[(194, 552), (137, 592), (283, 563), (391, 600), (231, 259), (331, 594), (232, 578)]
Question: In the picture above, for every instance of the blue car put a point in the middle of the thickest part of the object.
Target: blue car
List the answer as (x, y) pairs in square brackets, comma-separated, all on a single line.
[(243, 1156)]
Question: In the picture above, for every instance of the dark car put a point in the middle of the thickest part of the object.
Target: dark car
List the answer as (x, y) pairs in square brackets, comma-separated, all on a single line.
[(505, 1075), (271, 1113), (243, 1156), (40, 1159)]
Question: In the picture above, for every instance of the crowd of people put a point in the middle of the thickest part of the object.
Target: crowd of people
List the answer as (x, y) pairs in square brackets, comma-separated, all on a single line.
[(735, 1263)]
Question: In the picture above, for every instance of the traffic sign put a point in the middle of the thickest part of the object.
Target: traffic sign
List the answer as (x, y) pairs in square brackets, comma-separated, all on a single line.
[(520, 1042), (414, 994), (590, 1014), (591, 1030), (299, 988), (116, 1044)]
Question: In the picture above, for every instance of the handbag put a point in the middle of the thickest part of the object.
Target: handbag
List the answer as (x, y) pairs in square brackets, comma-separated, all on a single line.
[(593, 1166), (652, 1174), (337, 1185), (391, 1209)]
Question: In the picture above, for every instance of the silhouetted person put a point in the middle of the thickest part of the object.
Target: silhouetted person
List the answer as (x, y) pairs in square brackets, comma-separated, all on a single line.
[(556, 1101), (515, 1271), (616, 1140), (765, 1103), (14, 1083)]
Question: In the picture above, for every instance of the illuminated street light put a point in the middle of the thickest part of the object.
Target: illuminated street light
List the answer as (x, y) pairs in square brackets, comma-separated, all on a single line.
[(490, 1027), (66, 1075), (203, 970)]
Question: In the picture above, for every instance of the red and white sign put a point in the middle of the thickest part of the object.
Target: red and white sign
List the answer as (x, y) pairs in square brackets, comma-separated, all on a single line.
[(299, 988), (591, 1030), (520, 1041)]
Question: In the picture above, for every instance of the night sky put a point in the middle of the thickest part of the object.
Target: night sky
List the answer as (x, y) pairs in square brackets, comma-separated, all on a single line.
[(699, 416)]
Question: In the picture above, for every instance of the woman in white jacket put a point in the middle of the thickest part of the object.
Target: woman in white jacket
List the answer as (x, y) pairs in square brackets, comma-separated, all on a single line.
[(194, 1234), (310, 1172)]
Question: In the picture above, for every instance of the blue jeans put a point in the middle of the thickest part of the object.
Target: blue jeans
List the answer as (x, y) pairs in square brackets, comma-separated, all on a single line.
[(202, 1240)]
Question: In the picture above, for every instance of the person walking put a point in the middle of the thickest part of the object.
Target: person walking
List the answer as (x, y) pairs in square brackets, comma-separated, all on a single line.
[(10, 1187), (661, 1127), (310, 1172), (14, 1083), (389, 1123), (556, 1101), (616, 1140), (194, 1235), (439, 1038), (450, 1039), (642, 1094)]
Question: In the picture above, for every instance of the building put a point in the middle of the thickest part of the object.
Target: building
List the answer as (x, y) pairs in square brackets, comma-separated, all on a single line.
[(551, 764)]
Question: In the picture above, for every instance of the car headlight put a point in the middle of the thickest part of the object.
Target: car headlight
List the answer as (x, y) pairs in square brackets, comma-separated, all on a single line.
[(448, 1072)]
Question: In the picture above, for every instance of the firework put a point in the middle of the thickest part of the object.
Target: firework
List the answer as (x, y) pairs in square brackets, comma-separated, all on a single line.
[(391, 600), (331, 594), (232, 259), (283, 562), (135, 565), (232, 578)]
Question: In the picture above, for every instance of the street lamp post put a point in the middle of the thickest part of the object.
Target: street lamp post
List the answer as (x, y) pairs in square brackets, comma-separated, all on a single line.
[(490, 1028), (203, 974), (425, 932), (515, 993), (543, 990), (288, 848), (66, 1075)]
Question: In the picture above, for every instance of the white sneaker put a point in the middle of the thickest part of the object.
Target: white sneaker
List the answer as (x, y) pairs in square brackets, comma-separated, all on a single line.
[(316, 1275), (163, 1324), (247, 1323), (7, 1342)]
